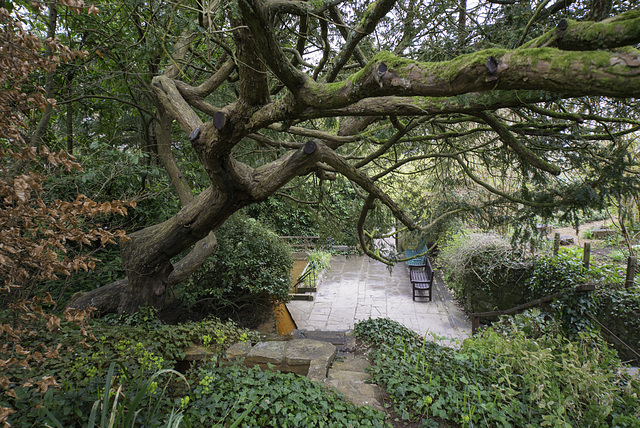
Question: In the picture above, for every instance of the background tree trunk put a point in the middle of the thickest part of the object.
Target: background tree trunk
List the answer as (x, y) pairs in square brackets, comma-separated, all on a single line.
[(43, 124)]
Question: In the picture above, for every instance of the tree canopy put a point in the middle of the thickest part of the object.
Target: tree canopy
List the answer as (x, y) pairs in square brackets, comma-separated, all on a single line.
[(500, 106)]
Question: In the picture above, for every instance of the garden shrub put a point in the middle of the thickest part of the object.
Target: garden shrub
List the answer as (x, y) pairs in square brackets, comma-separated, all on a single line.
[(270, 399), (523, 373), (249, 272), (552, 274), (618, 309), (485, 272), (73, 357)]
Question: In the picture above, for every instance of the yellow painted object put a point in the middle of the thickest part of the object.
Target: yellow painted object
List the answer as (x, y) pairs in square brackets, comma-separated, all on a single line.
[(284, 322)]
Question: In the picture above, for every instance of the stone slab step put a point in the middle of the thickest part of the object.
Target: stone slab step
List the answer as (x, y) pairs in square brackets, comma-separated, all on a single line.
[(351, 363), (362, 394), (342, 340), (344, 375), (300, 296), (310, 358)]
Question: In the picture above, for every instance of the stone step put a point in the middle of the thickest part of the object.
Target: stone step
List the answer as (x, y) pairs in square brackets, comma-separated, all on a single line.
[(343, 341), (301, 296), (359, 393), (310, 358), (349, 376), (351, 363), (312, 354)]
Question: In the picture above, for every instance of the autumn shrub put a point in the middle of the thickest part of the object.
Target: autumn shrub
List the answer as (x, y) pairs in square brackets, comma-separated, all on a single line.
[(36, 232), (484, 271), (37, 349), (249, 272)]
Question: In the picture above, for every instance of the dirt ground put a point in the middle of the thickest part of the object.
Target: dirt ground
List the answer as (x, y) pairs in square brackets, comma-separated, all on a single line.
[(600, 249), (579, 241)]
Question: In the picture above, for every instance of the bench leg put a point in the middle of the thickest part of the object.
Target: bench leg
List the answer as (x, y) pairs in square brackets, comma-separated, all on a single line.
[(416, 290)]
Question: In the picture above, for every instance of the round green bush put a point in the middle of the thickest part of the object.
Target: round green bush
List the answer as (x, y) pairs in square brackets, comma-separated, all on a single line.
[(249, 272)]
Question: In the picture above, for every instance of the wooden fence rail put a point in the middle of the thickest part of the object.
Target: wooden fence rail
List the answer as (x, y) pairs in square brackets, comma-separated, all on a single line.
[(476, 317), (305, 242)]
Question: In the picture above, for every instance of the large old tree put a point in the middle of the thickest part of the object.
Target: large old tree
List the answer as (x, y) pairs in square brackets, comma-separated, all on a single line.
[(540, 116)]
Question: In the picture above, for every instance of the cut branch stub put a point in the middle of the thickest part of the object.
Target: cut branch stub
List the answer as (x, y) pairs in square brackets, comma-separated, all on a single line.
[(382, 68), (562, 25), (492, 65), (310, 147), (195, 134), (326, 175), (219, 119)]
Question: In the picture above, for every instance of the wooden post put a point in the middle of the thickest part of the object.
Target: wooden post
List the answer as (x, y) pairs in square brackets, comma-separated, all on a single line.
[(556, 244), (586, 255), (475, 324), (631, 271)]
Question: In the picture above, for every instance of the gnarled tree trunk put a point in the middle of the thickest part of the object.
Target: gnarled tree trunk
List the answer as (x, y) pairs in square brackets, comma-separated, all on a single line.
[(568, 61)]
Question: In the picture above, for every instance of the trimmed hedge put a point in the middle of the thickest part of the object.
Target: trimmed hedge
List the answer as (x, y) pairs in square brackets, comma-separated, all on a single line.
[(485, 273)]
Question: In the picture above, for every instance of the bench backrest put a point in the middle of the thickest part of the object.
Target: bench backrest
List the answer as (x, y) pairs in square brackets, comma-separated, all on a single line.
[(428, 269)]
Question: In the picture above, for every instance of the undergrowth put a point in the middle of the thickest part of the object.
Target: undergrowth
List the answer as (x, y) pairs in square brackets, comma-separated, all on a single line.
[(503, 376), (73, 360), (276, 400)]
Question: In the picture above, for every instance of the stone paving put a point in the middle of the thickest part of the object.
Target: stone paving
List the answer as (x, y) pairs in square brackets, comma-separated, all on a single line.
[(358, 287)]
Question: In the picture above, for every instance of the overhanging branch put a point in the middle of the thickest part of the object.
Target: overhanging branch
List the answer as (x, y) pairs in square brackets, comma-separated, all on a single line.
[(340, 165), (507, 137), (374, 13), (568, 73), (621, 30)]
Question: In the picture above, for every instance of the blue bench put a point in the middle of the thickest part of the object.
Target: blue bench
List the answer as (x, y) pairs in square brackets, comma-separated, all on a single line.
[(417, 261)]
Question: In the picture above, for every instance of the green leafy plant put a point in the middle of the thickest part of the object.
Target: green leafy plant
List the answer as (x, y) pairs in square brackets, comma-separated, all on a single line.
[(618, 255), (523, 373), (552, 274), (318, 261), (249, 272), (141, 401), (270, 399), (74, 354)]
